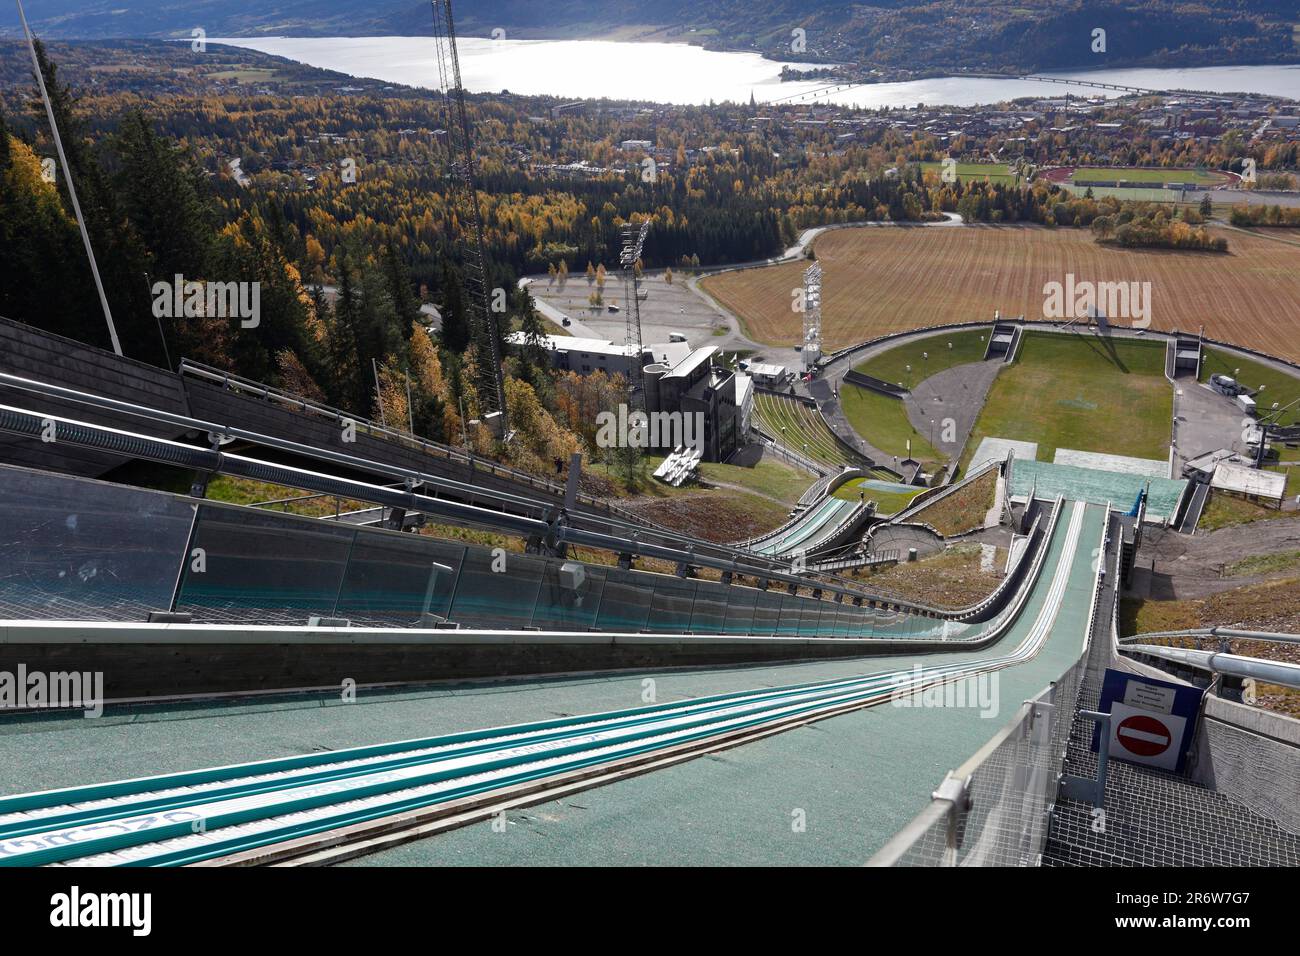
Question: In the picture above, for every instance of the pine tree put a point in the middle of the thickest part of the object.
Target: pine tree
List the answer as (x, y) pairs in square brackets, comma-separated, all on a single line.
[(455, 335), (347, 386)]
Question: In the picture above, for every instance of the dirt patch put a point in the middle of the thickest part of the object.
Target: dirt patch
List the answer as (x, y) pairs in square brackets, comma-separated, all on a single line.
[(721, 516), (1208, 563)]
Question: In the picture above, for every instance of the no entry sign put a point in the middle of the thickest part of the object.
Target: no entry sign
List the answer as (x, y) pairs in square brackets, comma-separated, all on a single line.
[(1143, 735), (1151, 721)]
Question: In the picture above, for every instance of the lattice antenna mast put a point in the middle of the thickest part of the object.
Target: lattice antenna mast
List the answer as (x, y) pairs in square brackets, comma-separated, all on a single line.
[(812, 316), (633, 241), (460, 136)]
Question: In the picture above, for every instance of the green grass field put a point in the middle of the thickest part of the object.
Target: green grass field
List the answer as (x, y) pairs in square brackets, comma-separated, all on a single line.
[(1225, 511), (892, 366), (1115, 174), (1292, 473), (883, 421), (977, 172), (768, 477), (1129, 193), (1081, 392), (1277, 386)]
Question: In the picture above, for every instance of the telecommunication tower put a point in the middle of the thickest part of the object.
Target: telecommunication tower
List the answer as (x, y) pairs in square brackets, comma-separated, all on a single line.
[(490, 383), (633, 241)]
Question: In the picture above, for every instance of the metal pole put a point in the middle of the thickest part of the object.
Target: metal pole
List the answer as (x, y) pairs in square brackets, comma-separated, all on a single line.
[(379, 395), (167, 354), (410, 411), (67, 176)]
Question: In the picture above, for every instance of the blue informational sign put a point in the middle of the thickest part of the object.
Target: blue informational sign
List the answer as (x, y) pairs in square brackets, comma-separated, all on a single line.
[(1152, 721)]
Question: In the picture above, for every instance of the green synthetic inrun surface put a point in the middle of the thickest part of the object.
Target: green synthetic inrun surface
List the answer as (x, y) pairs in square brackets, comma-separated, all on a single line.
[(858, 778), (1048, 480)]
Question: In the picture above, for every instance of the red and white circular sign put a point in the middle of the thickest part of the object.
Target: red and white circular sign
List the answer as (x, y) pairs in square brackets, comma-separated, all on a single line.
[(1143, 735)]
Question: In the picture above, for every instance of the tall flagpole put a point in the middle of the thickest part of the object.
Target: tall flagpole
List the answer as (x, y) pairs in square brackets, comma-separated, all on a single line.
[(67, 176)]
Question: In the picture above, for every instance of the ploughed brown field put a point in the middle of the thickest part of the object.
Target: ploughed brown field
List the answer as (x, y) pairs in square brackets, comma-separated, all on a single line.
[(879, 281)]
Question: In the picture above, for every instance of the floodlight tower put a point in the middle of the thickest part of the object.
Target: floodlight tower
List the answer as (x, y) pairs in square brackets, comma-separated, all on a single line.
[(1266, 424), (812, 316), (490, 383), (633, 241)]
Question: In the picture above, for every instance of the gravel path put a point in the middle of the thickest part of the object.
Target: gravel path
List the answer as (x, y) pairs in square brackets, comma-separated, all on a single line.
[(1188, 567)]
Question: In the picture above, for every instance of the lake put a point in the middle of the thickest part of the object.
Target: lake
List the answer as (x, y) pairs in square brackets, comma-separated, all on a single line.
[(678, 73)]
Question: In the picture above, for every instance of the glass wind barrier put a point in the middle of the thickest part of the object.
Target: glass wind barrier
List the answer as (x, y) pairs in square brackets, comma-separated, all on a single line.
[(76, 550), (269, 567)]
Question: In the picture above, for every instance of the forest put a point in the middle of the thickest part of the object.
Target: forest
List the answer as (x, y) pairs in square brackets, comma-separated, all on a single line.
[(338, 207)]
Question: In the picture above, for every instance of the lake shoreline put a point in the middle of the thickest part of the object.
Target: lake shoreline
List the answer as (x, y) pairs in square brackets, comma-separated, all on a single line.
[(683, 73)]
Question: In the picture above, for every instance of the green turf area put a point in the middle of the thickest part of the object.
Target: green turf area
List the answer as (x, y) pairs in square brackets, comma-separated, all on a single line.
[(975, 172), (1127, 193), (1263, 564), (769, 477), (887, 502), (1292, 478), (883, 421), (927, 356), (1277, 385), (1115, 174), (1085, 392), (1224, 511)]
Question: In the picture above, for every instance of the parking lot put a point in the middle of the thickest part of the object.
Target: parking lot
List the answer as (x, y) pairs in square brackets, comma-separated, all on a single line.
[(667, 307)]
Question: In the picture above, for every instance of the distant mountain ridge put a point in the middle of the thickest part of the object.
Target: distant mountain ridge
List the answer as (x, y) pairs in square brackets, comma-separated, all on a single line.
[(892, 35)]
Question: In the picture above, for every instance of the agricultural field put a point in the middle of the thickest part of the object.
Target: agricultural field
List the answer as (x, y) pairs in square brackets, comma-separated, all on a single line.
[(1076, 391), (879, 281)]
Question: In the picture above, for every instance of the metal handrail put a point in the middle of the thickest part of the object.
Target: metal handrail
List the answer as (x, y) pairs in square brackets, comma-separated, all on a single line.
[(1232, 665), (1215, 632), (236, 382)]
